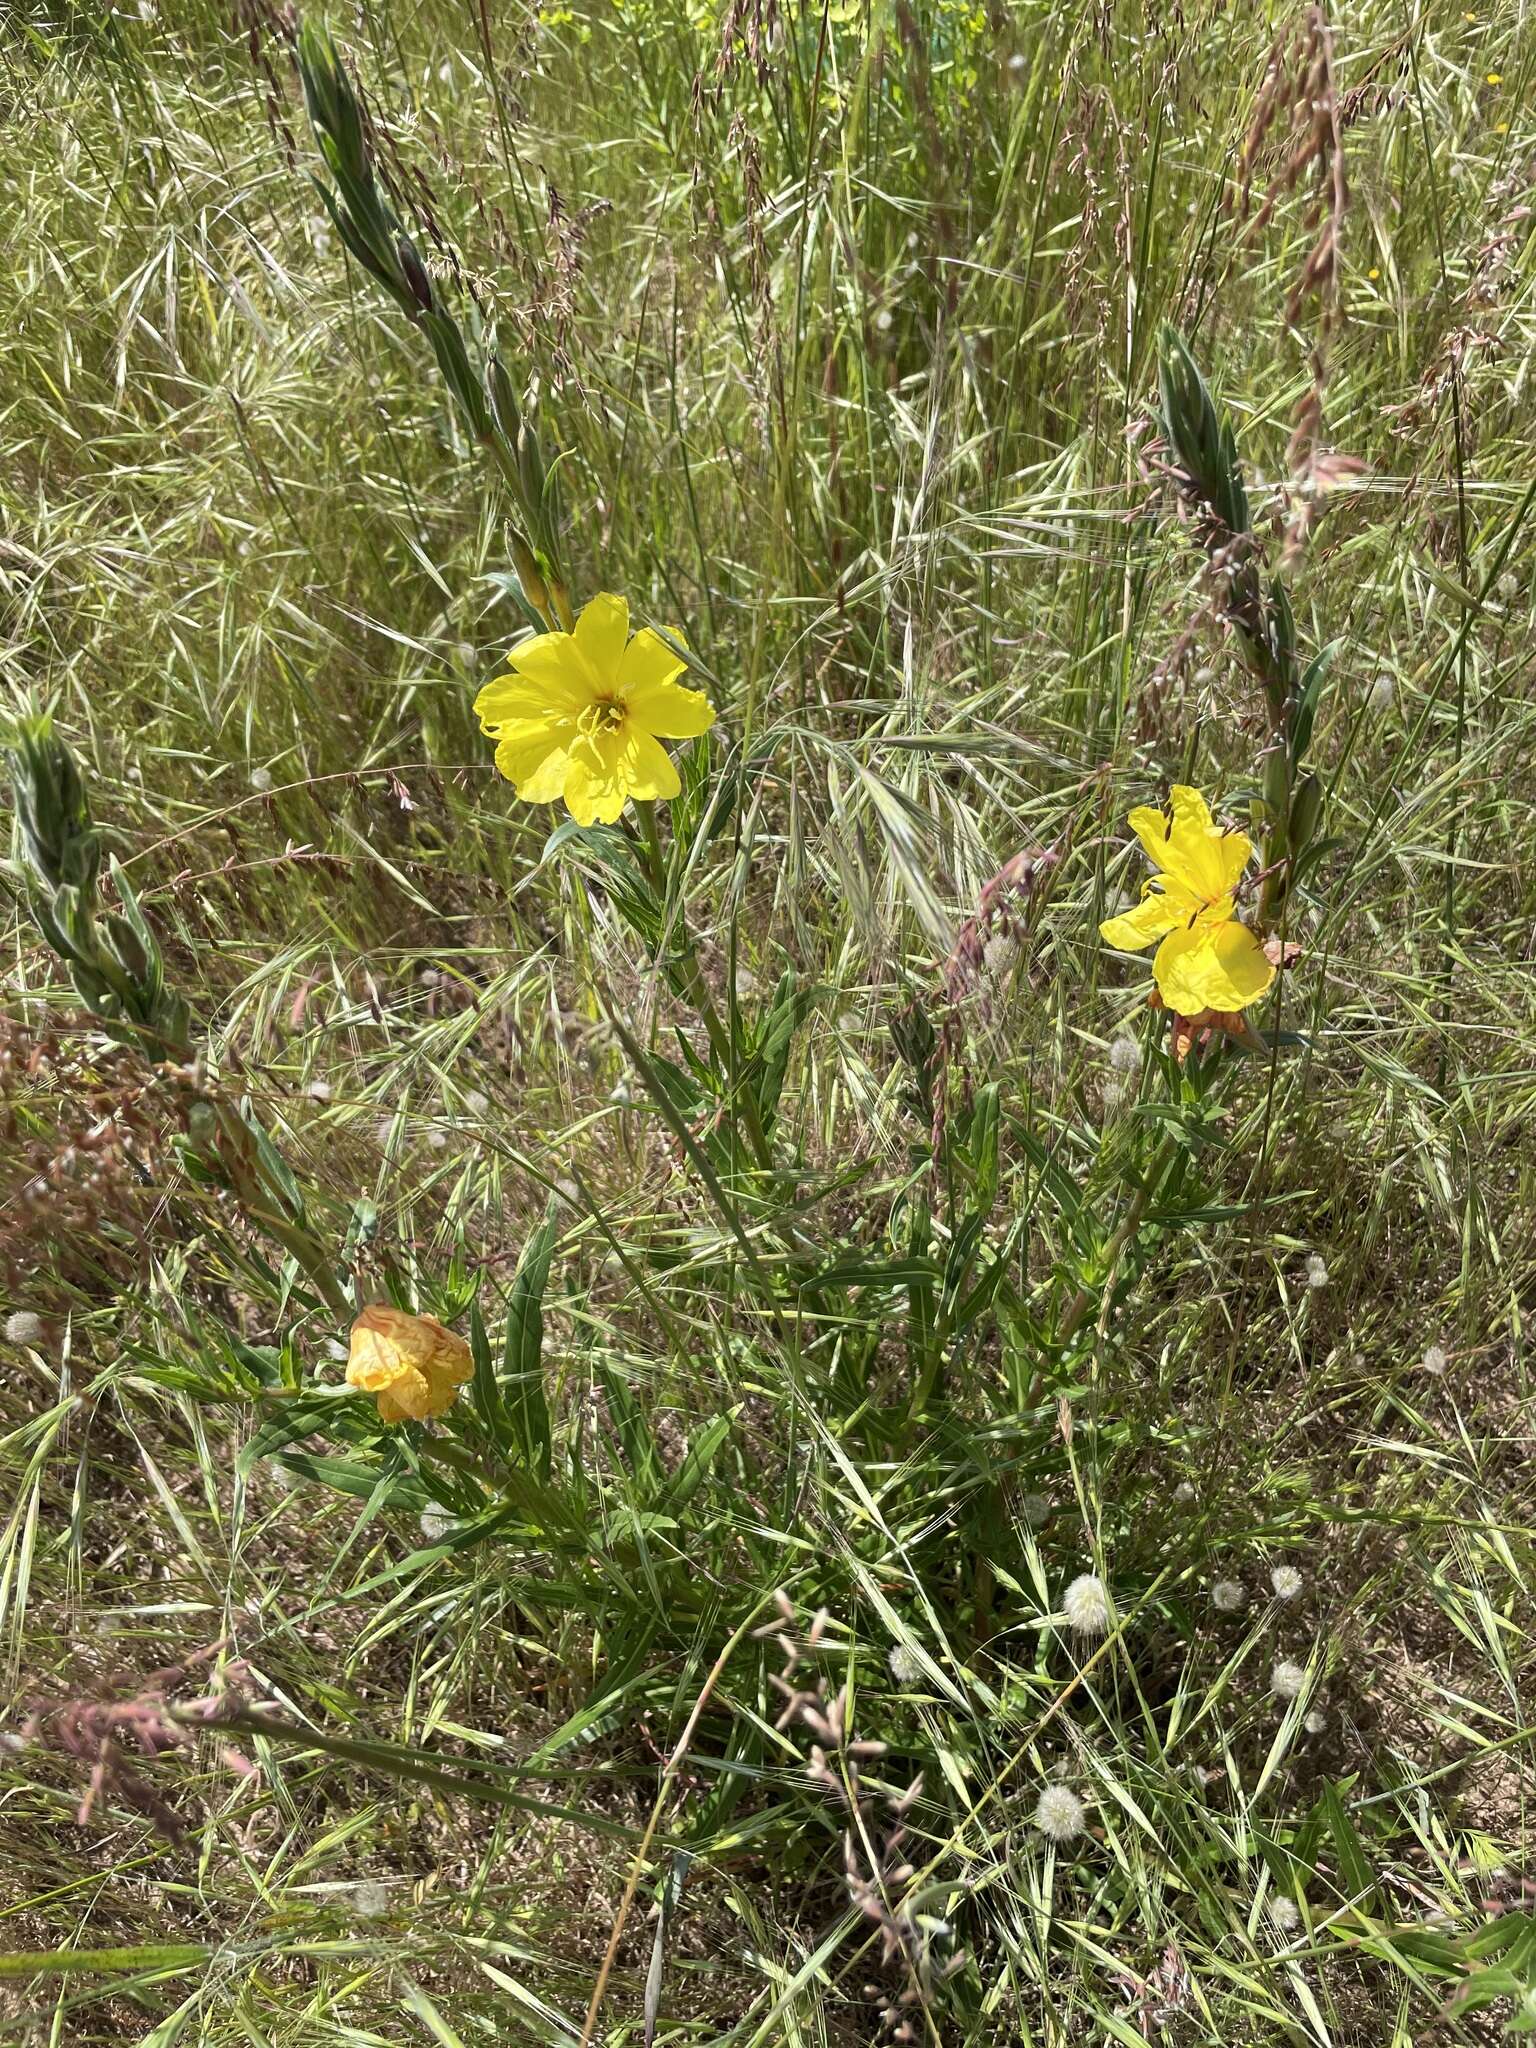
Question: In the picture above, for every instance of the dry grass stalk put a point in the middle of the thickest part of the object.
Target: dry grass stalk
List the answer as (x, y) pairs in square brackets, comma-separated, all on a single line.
[(880, 1878), (1300, 90), (109, 1735)]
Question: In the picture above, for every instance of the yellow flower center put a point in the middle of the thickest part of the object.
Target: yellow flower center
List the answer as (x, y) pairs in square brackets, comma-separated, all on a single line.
[(603, 714)]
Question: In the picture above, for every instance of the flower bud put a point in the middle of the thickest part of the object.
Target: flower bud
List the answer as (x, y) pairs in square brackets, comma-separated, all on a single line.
[(1306, 813), (504, 406), (52, 810), (529, 573), (414, 271)]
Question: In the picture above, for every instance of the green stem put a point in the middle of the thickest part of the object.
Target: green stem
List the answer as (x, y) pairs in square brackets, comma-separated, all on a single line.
[(1085, 1297), (694, 989)]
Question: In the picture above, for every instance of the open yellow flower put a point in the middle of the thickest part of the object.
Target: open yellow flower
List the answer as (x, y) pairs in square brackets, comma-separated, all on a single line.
[(1207, 960), (582, 714), (411, 1364)]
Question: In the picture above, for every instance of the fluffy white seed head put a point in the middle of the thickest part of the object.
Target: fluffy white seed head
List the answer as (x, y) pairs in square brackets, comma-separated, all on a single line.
[(1059, 1815), (1086, 1605), (1287, 1679), (261, 780), (370, 1899), (1286, 1581), (904, 1666), (1383, 693), (1125, 1054), (23, 1327), (1436, 1359), (1315, 1722), (1285, 1913), (435, 1524), (1315, 1272), (1228, 1597)]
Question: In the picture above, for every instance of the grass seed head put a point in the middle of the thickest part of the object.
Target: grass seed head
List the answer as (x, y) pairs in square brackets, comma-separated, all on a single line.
[(1086, 1605)]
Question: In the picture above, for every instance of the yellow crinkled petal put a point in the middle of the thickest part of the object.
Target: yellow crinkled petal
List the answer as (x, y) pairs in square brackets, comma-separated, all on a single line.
[(1190, 846), (669, 711), (409, 1399), (1160, 910), (513, 700), (602, 627), (647, 660), (411, 1364), (647, 768), (554, 664), (536, 764), (1212, 967), (450, 1365), (594, 788), (374, 1363)]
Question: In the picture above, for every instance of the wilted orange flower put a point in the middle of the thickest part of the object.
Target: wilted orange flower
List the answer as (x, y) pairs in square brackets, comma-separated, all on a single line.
[(411, 1364)]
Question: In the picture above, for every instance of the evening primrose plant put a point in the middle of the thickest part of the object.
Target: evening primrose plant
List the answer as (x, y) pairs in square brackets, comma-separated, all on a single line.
[(928, 1350), (731, 1362)]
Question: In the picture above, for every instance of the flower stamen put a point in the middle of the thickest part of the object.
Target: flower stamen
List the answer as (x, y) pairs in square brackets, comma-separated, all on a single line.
[(603, 714)]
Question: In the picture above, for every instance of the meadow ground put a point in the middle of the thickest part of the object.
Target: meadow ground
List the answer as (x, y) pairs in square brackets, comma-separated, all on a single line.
[(977, 1514)]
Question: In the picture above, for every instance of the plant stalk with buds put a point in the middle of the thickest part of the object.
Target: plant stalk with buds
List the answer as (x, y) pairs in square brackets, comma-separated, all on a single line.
[(487, 403), (1208, 477), (115, 963)]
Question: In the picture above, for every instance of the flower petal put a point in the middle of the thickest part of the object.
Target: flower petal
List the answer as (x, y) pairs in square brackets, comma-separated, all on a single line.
[(536, 763), (1160, 910), (408, 1398), (647, 766), (373, 1364), (508, 699), (594, 788), (554, 663), (449, 1367), (601, 631), (648, 659), (1189, 845), (608, 768), (669, 711), (1212, 967)]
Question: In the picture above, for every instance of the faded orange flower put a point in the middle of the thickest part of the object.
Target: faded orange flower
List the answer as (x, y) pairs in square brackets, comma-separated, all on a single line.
[(410, 1364)]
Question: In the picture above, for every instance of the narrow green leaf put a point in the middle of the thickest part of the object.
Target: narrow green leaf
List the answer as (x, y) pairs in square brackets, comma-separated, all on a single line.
[(523, 1350)]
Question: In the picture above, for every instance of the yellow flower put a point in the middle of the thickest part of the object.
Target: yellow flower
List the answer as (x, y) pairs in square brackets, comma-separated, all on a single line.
[(581, 715), (411, 1363), (1207, 960)]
